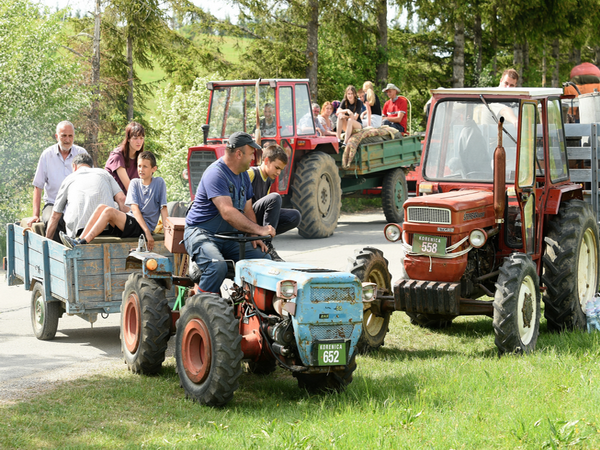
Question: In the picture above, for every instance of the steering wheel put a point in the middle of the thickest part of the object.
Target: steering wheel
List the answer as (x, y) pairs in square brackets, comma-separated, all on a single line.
[(241, 240)]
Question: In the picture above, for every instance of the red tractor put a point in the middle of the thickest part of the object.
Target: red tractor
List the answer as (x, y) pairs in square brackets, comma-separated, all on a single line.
[(314, 180), (494, 225)]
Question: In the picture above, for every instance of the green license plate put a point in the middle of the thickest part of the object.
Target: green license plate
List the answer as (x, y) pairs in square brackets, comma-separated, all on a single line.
[(333, 354), (429, 245)]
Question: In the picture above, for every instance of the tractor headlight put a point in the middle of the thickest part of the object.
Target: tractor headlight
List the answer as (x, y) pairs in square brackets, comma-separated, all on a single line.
[(477, 238), (287, 289), (392, 232), (369, 292)]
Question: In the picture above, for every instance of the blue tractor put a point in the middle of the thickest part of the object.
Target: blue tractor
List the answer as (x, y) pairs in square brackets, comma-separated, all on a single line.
[(305, 319)]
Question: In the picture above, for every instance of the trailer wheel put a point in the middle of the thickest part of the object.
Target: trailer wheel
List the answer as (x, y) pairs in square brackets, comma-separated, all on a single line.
[(369, 265), (393, 195), (570, 266), (317, 194), (44, 315), (430, 321), (517, 305), (335, 380), (208, 350), (145, 324)]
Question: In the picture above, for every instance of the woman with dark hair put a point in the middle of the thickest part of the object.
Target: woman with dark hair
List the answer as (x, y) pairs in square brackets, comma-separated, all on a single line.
[(122, 161), (349, 114)]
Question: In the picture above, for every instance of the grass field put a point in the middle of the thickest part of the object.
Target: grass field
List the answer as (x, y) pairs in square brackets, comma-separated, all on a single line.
[(424, 389)]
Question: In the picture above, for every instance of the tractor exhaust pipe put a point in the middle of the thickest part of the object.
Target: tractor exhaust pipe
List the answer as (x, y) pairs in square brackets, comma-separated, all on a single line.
[(499, 177), (205, 128)]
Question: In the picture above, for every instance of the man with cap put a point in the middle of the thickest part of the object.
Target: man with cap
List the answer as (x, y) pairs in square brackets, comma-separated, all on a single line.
[(394, 110), (223, 203)]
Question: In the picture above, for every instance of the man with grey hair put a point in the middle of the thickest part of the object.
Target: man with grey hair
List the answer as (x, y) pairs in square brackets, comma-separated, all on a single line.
[(55, 164), (80, 194)]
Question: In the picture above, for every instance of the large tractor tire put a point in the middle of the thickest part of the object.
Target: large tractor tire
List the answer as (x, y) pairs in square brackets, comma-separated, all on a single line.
[(44, 315), (394, 192), (208, 350), (517, 305), (370, 266), (317, 194), (570, 266), (335, 380), (145, 324)]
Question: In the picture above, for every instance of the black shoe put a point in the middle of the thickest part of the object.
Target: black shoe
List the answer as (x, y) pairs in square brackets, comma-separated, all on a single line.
[(68, 241), (271, 251)]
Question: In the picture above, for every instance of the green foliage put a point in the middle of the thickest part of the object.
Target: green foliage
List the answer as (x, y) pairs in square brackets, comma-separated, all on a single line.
[(39, 87), (180, 116)]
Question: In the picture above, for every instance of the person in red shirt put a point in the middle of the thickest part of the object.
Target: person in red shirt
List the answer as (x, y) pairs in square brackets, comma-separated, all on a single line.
[(394, 110)]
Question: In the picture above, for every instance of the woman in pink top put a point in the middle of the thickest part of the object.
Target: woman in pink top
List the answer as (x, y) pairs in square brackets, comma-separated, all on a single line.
[(122, 161)]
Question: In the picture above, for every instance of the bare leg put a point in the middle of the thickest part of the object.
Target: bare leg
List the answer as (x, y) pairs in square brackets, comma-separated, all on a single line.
[(340, 126), (90, 223), (352, 125), (110, 216)]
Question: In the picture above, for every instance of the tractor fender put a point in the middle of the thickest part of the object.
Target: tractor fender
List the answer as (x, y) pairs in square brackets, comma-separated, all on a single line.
[(561, 194), (152, 265)]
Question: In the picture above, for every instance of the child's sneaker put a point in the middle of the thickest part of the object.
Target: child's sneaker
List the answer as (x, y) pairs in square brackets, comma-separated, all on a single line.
[(67, 240)]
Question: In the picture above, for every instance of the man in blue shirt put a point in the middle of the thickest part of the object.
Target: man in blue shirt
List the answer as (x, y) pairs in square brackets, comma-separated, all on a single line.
[(223, 203)]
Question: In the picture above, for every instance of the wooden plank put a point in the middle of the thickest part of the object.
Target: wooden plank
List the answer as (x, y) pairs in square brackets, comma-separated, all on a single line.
[(107, 270), (26, 274)]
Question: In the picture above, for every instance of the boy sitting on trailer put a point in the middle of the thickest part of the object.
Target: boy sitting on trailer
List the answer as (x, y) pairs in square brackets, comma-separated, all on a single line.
[(147, 198)]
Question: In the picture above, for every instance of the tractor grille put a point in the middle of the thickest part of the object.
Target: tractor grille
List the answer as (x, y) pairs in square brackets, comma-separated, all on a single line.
[(422, 214), (333, 331), (199, 161), (332, 294)]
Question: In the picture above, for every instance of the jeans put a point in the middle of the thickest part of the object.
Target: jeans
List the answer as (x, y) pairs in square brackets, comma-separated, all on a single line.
[(210, 254), (395, 125), (268, 211)]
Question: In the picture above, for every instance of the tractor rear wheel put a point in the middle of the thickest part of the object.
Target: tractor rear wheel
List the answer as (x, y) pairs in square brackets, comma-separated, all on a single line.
[(335, 380), (370, 266), (393, 195), (317, 194), (44, 315), (208, 350), (145, 324), (570, 266), (517, 305)]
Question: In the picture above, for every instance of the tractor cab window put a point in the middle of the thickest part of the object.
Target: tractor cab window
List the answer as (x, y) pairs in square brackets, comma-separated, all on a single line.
[(305, 123), (463, 139), (233, 108), (557, 150), (286, 111)]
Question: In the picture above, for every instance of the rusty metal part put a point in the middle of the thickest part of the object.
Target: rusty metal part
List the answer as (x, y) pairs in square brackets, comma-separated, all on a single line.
[(499, 177), (427, 297)]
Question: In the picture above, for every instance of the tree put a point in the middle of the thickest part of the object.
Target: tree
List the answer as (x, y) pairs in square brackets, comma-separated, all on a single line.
[(40, 87)]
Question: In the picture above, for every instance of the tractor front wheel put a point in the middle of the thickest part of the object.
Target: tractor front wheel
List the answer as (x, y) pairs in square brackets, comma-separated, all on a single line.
[(208, 350), (370, 266), (517, 305), (145, 324)]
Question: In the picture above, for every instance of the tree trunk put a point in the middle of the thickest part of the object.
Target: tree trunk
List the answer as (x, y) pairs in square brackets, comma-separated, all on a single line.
[(518, 58), (477, 33), (495, 42), (312, 49), (556, 55), (130, 79), (94, 125), (525, 71), (597, 61), (576, 56), (544, 66), (382, 43), (458, 72)]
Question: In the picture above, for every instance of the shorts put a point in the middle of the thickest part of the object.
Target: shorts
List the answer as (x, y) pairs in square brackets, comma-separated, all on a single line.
[(132, 228)]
